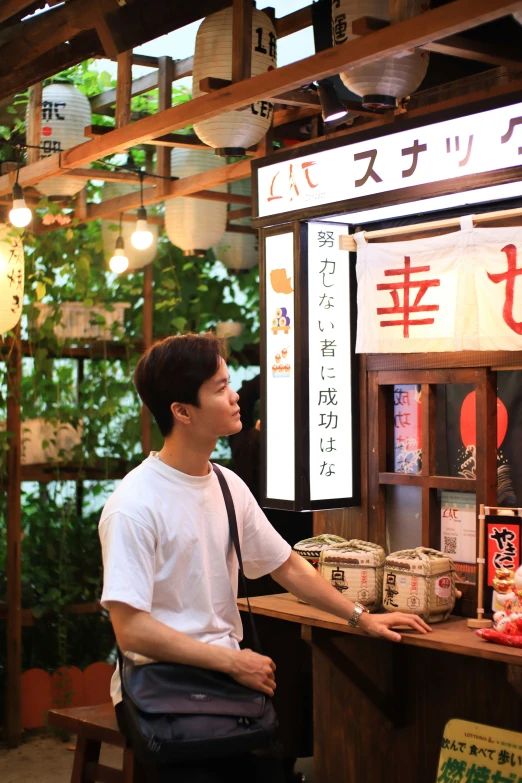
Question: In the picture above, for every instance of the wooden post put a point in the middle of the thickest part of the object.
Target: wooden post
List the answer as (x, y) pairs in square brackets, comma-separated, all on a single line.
[(165, 77), (14, 520), (35, 124), (480, 622), (148, 309), (241, 40), (124, 89)]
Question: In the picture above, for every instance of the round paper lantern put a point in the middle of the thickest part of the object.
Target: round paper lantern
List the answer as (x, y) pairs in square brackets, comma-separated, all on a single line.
[(194, 224), (66, 112), (235, 131), (111, 229), (11, 278), (382, 82), (239, 251)]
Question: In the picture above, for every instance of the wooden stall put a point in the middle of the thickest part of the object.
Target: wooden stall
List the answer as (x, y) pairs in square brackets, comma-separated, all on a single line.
[(469, 69), (379, 709)]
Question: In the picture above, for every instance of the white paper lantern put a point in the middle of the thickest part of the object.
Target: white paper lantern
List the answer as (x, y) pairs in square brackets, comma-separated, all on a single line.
[(11, 277), (239, 251), (111, 229), (195, 224), (235, 131), (379, 83), (66, 112)]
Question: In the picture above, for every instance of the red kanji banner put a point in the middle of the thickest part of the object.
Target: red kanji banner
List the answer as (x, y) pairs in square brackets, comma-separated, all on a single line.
[(458, 291), (503, 544)]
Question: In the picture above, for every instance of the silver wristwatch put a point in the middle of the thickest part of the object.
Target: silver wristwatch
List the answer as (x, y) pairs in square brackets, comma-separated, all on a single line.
[(357, 612)]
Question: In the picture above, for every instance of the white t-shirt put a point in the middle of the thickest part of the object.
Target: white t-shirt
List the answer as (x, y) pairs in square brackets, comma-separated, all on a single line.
[(167, 550)]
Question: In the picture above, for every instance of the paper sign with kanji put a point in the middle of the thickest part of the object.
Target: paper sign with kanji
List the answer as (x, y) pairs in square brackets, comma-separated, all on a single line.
[(474, 753), (407, 295)]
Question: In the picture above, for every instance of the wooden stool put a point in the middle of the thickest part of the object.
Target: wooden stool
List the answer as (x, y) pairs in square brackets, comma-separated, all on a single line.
[(94, 725)]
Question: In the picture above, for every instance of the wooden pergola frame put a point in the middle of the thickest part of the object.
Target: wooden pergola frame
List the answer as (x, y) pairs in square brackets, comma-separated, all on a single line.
[(113, 31)]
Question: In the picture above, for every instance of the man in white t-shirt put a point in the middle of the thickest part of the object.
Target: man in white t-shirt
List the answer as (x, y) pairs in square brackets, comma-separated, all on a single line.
[(170, 572)]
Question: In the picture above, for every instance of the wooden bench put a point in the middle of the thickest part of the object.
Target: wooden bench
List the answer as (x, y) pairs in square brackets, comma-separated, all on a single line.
[(94, 725)]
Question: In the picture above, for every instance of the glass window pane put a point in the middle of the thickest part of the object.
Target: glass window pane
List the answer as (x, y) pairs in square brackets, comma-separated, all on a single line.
[(403, 517)]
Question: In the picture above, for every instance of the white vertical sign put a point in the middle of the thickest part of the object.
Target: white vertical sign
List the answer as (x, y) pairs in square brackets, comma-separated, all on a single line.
[(330, 367), (280, 366)]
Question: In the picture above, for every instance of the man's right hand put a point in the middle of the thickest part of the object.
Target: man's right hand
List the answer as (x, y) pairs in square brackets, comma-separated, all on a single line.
[(254, 670)]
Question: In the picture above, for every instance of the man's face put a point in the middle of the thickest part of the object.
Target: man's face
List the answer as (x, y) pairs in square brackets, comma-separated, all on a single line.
[(218, 412)]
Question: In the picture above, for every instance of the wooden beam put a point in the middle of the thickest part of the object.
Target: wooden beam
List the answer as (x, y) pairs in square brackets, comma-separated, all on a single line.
[(124, 89), (148, 319), (34, 127), (14, 542), (82, 47), (233, 229), (432, 25), (181, 187), (102, 28), (101, 104), (187, 141), (236, 214), (10, 8), (437, 23), (298, 98), (479, 51), (163, 153), (42, 33), (241, 40), (453, 46), (292, 23)]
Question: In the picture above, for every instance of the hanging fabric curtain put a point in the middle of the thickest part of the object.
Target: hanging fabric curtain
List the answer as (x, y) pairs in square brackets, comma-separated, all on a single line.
[(234, 132), (66, 112), (380, 83), (11, 277), (454, 292)]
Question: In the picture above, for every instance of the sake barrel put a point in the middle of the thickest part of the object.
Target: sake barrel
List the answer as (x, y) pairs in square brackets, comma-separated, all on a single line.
[(355, 568), (311, 548), (419, 581)]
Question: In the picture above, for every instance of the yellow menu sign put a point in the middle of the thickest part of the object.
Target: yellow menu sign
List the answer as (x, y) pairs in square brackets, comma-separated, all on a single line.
[(473, 753)]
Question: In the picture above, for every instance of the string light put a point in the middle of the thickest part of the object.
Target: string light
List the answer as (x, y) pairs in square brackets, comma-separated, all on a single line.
[(119, 261), (142, 238), (20, 215)]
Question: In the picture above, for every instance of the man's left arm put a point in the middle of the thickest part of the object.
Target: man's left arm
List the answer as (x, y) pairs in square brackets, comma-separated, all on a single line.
[(298, 577)]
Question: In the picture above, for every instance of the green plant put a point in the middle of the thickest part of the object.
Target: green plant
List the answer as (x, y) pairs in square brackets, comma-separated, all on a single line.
[(61, 563)]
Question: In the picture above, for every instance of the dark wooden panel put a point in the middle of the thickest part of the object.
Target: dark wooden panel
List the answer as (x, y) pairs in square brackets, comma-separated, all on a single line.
[(435, 482), (467, 375), (355, 741), (425, 361)]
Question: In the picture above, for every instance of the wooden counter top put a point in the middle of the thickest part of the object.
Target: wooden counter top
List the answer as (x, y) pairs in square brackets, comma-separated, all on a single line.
[(451, 636)]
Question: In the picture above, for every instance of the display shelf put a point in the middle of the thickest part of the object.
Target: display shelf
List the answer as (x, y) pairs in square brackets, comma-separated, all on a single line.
[(452, 636)]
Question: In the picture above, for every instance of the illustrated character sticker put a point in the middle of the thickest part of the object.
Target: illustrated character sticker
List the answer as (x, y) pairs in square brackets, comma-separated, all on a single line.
[(280, 281), (281, 322), (280, 368)]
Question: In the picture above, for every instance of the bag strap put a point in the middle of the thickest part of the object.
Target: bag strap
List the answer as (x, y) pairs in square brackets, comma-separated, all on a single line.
[(234, 534)]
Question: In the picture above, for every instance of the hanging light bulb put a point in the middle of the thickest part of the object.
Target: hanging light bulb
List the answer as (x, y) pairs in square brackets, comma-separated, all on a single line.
[(20, 215), (119, 262), (142, 238)]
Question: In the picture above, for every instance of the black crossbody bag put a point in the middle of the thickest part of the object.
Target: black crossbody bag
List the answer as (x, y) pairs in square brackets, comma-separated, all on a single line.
[(174, 712)]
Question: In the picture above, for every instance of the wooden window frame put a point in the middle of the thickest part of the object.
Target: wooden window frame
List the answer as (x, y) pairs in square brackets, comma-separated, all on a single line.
[(380, 437)]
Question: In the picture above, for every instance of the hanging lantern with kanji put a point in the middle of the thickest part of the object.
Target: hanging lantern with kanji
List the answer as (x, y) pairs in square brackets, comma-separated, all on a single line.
[(380, 84), (238, 251), (234, 132), (66, 112), (194, 224), (11, 277), (111, 229)]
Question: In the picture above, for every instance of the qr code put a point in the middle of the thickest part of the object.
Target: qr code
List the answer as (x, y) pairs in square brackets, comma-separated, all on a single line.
[(450, 545)]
